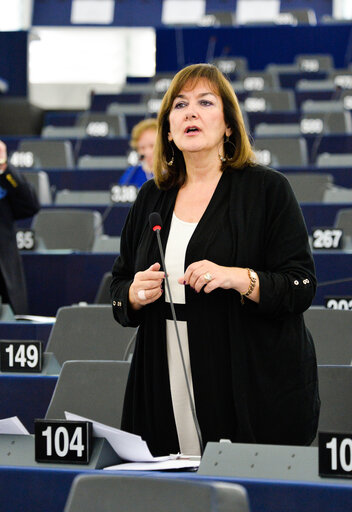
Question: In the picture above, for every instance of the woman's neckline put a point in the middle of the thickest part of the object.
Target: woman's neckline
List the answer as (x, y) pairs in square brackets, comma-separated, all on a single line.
[(184, 221)]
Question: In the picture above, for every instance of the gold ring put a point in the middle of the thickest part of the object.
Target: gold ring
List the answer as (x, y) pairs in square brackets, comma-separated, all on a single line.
[(208, 277)]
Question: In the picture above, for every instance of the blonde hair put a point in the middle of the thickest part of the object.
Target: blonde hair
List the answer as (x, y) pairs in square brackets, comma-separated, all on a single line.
[(239, 153), (141, 127)]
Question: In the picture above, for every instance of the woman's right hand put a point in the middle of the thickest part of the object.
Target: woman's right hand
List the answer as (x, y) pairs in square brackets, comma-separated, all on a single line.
[(146, 286)]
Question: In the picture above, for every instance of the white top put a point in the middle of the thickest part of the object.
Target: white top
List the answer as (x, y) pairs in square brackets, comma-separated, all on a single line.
[(179, 236)]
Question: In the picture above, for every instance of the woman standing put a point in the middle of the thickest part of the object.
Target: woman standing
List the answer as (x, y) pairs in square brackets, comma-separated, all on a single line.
[(241, 274)]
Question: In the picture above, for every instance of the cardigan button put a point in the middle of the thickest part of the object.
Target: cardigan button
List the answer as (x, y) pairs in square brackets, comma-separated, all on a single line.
[(296, 282), (114, 302)]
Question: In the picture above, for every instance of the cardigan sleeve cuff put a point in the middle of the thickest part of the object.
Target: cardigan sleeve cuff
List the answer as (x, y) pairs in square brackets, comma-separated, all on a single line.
[(122, 310), (284, 293)]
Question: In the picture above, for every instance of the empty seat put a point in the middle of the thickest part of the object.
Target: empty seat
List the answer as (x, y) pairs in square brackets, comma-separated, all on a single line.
[(342, 78), (103, 293), (221, 18), (128, 108), (334, 160), (326, 122), (344, 221), (105, 243), (298, 16), (91, 493), (63, 132), (93, 389), (270, 101), (309, 187), (49, 154), (40, 181), (335, 389), (331, 330), (260, 81), (315, 85), (282, 151), (338, 195), (231, 65), (102, 162), (277, 129), (67, 229), (324, 106), (314, 63), (88, 333), (98, 124), (73, 197)]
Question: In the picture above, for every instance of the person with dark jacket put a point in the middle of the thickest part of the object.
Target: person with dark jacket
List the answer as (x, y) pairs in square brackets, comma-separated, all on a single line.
[(241, 274), (18, 200)]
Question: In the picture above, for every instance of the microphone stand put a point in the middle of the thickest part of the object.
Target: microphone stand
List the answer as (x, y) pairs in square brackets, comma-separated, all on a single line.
[(195, 419)]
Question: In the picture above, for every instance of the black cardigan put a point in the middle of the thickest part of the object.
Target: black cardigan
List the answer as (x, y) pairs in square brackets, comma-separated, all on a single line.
[(253, 366)]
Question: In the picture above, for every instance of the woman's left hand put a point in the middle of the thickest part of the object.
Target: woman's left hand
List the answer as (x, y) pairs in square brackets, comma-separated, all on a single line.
[(209, 275)]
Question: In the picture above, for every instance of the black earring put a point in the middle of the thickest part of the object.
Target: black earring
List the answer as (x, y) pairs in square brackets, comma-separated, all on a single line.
[(225, 158)]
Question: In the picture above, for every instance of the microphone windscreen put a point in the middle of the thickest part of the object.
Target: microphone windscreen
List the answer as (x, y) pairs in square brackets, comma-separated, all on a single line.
[(155, 221)]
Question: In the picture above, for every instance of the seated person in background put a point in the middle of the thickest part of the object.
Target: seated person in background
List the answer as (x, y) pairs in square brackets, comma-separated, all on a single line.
[(143, 141), (17, 201)]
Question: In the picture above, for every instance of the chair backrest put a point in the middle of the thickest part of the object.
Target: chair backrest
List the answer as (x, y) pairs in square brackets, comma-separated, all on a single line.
[(231, 65), (49, 154), (88, 333), (309, 187), (67, 229), (301, 16), (223, 18), (270, 101), (103, 293), (100, 124), (40, 181), (74, 197), (310, 106), (334, 160), (116, 493), (326, 122), (326, 84), (332, 334), (277, 129), (260, 81), (102, 162), (53, 132), (93, 389), (335, 389), (313, 63), (283, 151), (106, 243), (344, 221)]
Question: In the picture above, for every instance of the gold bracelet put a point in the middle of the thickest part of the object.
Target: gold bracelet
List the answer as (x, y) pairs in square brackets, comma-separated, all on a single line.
[(253, 279)]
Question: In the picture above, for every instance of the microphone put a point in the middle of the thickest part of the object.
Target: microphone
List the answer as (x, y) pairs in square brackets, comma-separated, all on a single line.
[(155, 223)]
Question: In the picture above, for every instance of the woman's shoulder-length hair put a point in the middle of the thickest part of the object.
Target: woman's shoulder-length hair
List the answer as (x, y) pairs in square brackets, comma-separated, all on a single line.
[(239, 152)]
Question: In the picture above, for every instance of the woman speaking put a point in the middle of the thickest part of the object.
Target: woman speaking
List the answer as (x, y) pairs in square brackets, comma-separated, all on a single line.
[(241, 275)]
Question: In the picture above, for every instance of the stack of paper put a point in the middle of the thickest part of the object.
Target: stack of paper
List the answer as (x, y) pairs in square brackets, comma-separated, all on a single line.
[(132, 448)]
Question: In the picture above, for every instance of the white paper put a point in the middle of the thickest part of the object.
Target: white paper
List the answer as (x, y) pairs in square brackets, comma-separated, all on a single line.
[(13, 426), (92, 11), (36, 318), (180, 463), (127, 446)]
